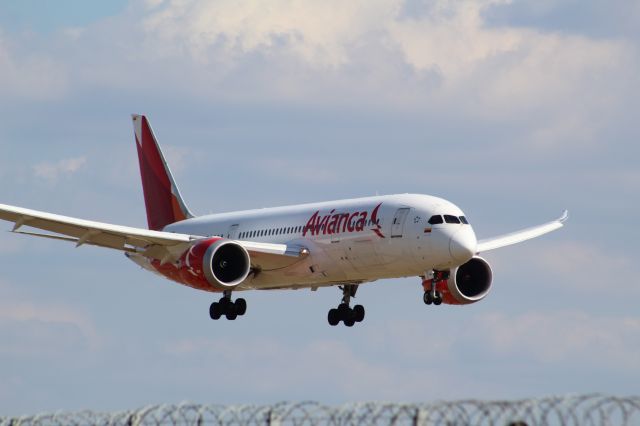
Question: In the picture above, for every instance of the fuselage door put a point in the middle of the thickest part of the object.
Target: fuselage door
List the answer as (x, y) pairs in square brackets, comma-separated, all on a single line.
[(233, 231), (397, 226)]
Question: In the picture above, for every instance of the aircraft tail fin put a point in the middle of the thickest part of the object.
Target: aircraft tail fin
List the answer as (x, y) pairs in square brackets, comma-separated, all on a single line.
[(162, 198)]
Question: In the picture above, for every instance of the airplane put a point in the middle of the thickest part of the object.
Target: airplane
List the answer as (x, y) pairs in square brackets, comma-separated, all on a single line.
[(342, 243)]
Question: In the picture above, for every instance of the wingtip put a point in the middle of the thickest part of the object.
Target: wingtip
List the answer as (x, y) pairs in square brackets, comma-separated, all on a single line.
[(564, 217)]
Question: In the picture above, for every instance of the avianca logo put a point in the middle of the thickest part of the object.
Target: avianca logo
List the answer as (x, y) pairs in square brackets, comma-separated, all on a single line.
[(335, 223)]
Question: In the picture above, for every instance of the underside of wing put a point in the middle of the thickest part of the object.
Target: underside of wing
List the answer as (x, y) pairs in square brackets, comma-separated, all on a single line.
[(82, 231), (163, 246), (523, 235)]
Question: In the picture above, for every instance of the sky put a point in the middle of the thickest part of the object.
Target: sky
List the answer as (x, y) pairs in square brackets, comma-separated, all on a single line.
[(513, 110)]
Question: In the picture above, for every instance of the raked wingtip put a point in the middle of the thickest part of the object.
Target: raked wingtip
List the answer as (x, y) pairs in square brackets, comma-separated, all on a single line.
[(564, 217)]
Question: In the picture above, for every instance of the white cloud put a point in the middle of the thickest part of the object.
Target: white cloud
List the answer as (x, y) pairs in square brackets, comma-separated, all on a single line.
[(178, 157), (29, 328), (307, 172), (277, 367), (51, 172), (29, 76), (563, 90), (565, 337), (318, 32), (564, 87), (580, 266)]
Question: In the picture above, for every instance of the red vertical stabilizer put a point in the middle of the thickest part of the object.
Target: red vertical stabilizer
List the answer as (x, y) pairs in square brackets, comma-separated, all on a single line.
[(161, 195)]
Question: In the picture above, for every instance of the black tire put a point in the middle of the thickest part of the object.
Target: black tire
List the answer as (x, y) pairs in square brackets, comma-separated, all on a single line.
[(231, 313), (426, 298), (214, 311), (344, 311), (333, 317), (358, 313), (241, 306), (438, 300), (349, 321)]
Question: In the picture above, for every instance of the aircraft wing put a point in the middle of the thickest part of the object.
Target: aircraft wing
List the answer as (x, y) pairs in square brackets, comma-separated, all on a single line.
[(523, 235), (164, 246)]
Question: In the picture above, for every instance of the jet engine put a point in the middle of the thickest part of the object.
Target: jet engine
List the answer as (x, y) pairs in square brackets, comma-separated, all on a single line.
[(469, 283), (220, 263)]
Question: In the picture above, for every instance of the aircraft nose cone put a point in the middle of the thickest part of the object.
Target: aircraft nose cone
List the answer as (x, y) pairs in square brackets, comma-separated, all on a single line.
[(462, 246)]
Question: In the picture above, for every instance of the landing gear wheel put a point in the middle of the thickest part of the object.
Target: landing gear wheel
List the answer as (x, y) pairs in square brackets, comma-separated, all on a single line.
[(231, 313), (333, 317), (349, 316), (241, 306), (214, 311), (225, 306), (358, 313), (431, 281), (343, 310)]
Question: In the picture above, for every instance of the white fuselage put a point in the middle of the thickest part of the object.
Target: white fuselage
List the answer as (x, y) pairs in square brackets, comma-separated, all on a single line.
[(349, 241)]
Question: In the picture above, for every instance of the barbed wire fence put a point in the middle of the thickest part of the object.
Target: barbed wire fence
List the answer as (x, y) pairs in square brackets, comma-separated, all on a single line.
[(582, 410)]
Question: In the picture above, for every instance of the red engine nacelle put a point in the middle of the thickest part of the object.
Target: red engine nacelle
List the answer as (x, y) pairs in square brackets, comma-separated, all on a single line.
[(466, 284), (211, 264)]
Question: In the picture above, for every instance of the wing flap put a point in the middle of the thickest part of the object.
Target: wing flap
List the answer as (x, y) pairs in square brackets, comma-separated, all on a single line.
[(277, 249), (523, 235), (270, 257)]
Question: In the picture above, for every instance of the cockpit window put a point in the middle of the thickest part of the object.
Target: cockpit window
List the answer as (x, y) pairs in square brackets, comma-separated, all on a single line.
[(451, 219), (435, 219), (464, 220)]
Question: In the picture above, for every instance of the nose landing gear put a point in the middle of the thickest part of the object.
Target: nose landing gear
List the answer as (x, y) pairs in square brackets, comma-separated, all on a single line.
[(225, 306), (430, 285), (344, 312)]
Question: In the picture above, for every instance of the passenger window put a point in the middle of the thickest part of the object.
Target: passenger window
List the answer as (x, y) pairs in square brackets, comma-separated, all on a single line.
[(451, 219), (464, 220), (435, 219)]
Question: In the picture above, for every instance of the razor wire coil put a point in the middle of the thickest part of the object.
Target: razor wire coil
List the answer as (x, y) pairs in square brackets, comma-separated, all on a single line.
[(582, 410)]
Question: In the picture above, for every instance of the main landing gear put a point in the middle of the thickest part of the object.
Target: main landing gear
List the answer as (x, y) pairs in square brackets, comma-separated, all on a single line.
[(431, 293), (344, 312), (225, 306)]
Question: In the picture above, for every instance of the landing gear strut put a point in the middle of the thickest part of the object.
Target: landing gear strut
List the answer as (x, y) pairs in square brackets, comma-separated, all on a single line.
[(431, 294), (225, 306), (344, 312)]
